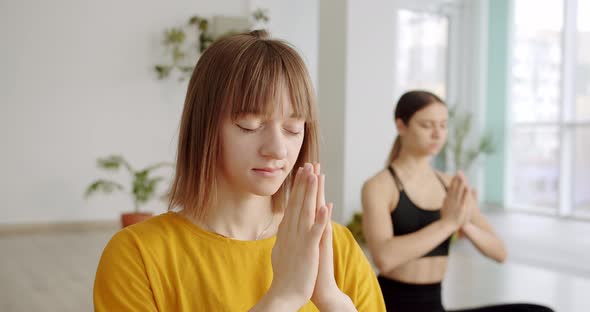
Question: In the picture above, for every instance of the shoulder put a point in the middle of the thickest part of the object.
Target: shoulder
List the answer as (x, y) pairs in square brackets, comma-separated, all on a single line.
[(380, 183), (379, 191), (151, 233), (347, 251), (341, 234), (354, 273)]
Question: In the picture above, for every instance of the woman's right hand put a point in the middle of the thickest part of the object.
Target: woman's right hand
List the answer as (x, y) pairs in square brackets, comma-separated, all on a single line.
[(295, 255), (455, 210)]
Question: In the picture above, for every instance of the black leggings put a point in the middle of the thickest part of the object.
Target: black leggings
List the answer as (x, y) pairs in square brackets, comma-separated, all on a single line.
[(402, 297)]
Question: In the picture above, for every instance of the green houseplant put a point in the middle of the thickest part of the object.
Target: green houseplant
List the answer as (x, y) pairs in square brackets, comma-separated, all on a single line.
[(356, 227), (142, 189), (459, 153)]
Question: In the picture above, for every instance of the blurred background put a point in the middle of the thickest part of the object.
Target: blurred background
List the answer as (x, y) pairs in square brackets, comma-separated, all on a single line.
[(88, 87)]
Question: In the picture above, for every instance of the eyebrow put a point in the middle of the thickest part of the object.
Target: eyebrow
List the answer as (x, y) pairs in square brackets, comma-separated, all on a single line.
[(432, 120), (258, 115)]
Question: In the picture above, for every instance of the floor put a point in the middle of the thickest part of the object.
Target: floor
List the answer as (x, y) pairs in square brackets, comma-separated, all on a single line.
[(549, 263)]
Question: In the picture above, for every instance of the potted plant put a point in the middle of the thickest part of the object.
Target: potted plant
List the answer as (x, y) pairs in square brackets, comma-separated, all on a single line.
[(142, 189)]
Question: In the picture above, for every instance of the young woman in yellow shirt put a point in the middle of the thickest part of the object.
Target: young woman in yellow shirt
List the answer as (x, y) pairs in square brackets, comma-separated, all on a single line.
[(248, 227)]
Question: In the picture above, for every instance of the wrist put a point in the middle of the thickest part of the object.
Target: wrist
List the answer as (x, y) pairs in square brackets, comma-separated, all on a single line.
[(467, 226), (450, 226), (274, 300), (336, 301)]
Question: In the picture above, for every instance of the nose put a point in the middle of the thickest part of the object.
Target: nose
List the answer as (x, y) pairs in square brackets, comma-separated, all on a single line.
[(436, 133), (275, 144)]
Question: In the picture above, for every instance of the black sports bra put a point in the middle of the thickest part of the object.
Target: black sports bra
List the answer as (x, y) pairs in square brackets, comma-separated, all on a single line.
[(408, 218)]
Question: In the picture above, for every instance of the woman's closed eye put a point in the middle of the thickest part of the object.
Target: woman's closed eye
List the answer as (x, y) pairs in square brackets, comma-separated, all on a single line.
[(293, 130), (248, 127)]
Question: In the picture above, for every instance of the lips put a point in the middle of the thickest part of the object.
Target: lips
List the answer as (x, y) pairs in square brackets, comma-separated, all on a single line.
[(268, 170)]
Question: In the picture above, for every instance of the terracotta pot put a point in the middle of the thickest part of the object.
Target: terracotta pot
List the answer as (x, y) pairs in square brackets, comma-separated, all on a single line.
[(128, 219)]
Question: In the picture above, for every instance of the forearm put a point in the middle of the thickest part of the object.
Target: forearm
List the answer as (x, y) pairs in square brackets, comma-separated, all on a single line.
[(340, 302), (486, 242), (401, 249), (273, 302)]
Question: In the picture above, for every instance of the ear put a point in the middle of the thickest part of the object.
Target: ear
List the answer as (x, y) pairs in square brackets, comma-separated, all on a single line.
[(401, 127)]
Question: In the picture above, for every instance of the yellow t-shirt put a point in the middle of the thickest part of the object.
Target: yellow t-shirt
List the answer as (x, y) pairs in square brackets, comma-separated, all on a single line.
[(169, 264)]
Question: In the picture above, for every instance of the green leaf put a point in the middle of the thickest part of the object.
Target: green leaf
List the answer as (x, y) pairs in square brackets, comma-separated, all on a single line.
[(174, 36), (163, 71), (203, 25), (194, 20), (460, 127), (261, 15), (355, 226), (177, 54), (186, 69), (113, 162), (104, 186)]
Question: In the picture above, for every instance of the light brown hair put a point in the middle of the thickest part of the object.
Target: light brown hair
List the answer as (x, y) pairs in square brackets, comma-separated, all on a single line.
[(244, 73)]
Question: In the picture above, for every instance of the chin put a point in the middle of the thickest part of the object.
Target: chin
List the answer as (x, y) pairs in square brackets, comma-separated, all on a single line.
[(265, 190), (434, 153)]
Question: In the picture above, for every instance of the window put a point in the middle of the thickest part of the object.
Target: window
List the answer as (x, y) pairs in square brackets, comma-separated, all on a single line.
[(549, 135), (421, 50)]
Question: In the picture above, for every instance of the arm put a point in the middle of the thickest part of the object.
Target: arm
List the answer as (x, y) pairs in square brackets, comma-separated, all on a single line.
[(275, 302), (389, 251), (478, 230), (482, 235)]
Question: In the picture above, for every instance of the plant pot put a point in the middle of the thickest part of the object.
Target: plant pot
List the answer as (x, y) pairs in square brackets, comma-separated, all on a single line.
[(128, 219)]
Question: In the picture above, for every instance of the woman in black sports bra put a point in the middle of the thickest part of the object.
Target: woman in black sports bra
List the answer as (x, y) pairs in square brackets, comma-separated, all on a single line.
[(410, 212)]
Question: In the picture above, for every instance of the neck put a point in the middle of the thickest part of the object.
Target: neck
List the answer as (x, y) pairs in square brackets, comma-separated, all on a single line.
[(411, 162), (241, 216)]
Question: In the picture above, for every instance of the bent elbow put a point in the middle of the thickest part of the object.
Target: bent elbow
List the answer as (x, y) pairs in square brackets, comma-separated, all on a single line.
[(385, 264), (381, 265)]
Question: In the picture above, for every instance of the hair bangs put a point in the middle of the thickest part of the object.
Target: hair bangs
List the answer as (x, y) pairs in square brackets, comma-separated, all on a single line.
[(266, 72)]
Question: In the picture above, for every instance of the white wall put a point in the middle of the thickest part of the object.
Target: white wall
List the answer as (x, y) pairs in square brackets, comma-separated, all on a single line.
[(370, 129), (77, 83), (356, 96), (298, 23), (332, 98)]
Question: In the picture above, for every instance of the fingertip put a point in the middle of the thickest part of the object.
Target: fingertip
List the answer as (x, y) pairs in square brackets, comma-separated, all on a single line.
[(321, 216), (312, 179)]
